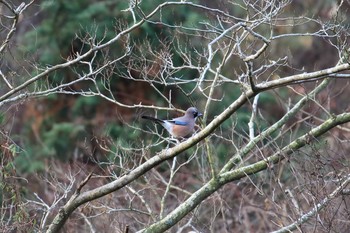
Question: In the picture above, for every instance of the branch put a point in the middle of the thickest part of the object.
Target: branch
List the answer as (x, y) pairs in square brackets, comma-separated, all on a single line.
[(79, 199), (316, 209), (302, 77), (243, 152), (5, 80), (19, 10), (211, 53), (253, 116), (80, 58), (214, 184), (83, 183)]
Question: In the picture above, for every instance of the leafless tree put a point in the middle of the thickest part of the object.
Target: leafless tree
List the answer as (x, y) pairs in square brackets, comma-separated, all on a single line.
[(286, 169)]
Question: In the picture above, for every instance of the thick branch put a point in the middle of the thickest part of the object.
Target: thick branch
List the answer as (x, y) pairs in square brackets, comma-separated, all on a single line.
[(82, 198), (216, 183), (273, 128), (80, 58), (302, 77), (79, 199)]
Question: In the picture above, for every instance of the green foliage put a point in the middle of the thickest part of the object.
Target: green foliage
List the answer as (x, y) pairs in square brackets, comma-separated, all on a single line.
[(29, 162), (85, 106), (55, 38), (62, 138), (2, 118), (123, 135), (58, 142), (56, 35), (12, 191), (124, 140)]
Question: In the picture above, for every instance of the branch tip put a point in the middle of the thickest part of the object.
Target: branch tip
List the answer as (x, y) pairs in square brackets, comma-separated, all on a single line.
[(83, 183)]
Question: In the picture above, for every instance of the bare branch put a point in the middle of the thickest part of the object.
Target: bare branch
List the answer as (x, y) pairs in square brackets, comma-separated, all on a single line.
[(319, 206)]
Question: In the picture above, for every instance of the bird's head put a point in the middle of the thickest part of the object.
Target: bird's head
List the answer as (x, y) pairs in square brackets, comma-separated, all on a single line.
[(193, 112)]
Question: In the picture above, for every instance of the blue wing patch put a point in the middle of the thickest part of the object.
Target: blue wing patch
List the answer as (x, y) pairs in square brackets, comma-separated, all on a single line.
[(178, 122)]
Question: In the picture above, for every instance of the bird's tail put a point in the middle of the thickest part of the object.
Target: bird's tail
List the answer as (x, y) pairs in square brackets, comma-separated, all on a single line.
[(153, 119)]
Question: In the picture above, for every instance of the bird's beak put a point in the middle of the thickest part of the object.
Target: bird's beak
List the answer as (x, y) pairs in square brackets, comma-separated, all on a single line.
[(199, 114)]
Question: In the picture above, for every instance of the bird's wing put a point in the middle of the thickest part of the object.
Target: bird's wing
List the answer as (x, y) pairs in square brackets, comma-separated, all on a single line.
[(178, 122)]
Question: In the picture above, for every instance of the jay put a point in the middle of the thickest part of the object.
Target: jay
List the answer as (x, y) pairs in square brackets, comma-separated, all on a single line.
[(180, 127)]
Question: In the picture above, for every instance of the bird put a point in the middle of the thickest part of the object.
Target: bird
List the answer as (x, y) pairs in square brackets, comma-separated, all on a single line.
[(180, 127)]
